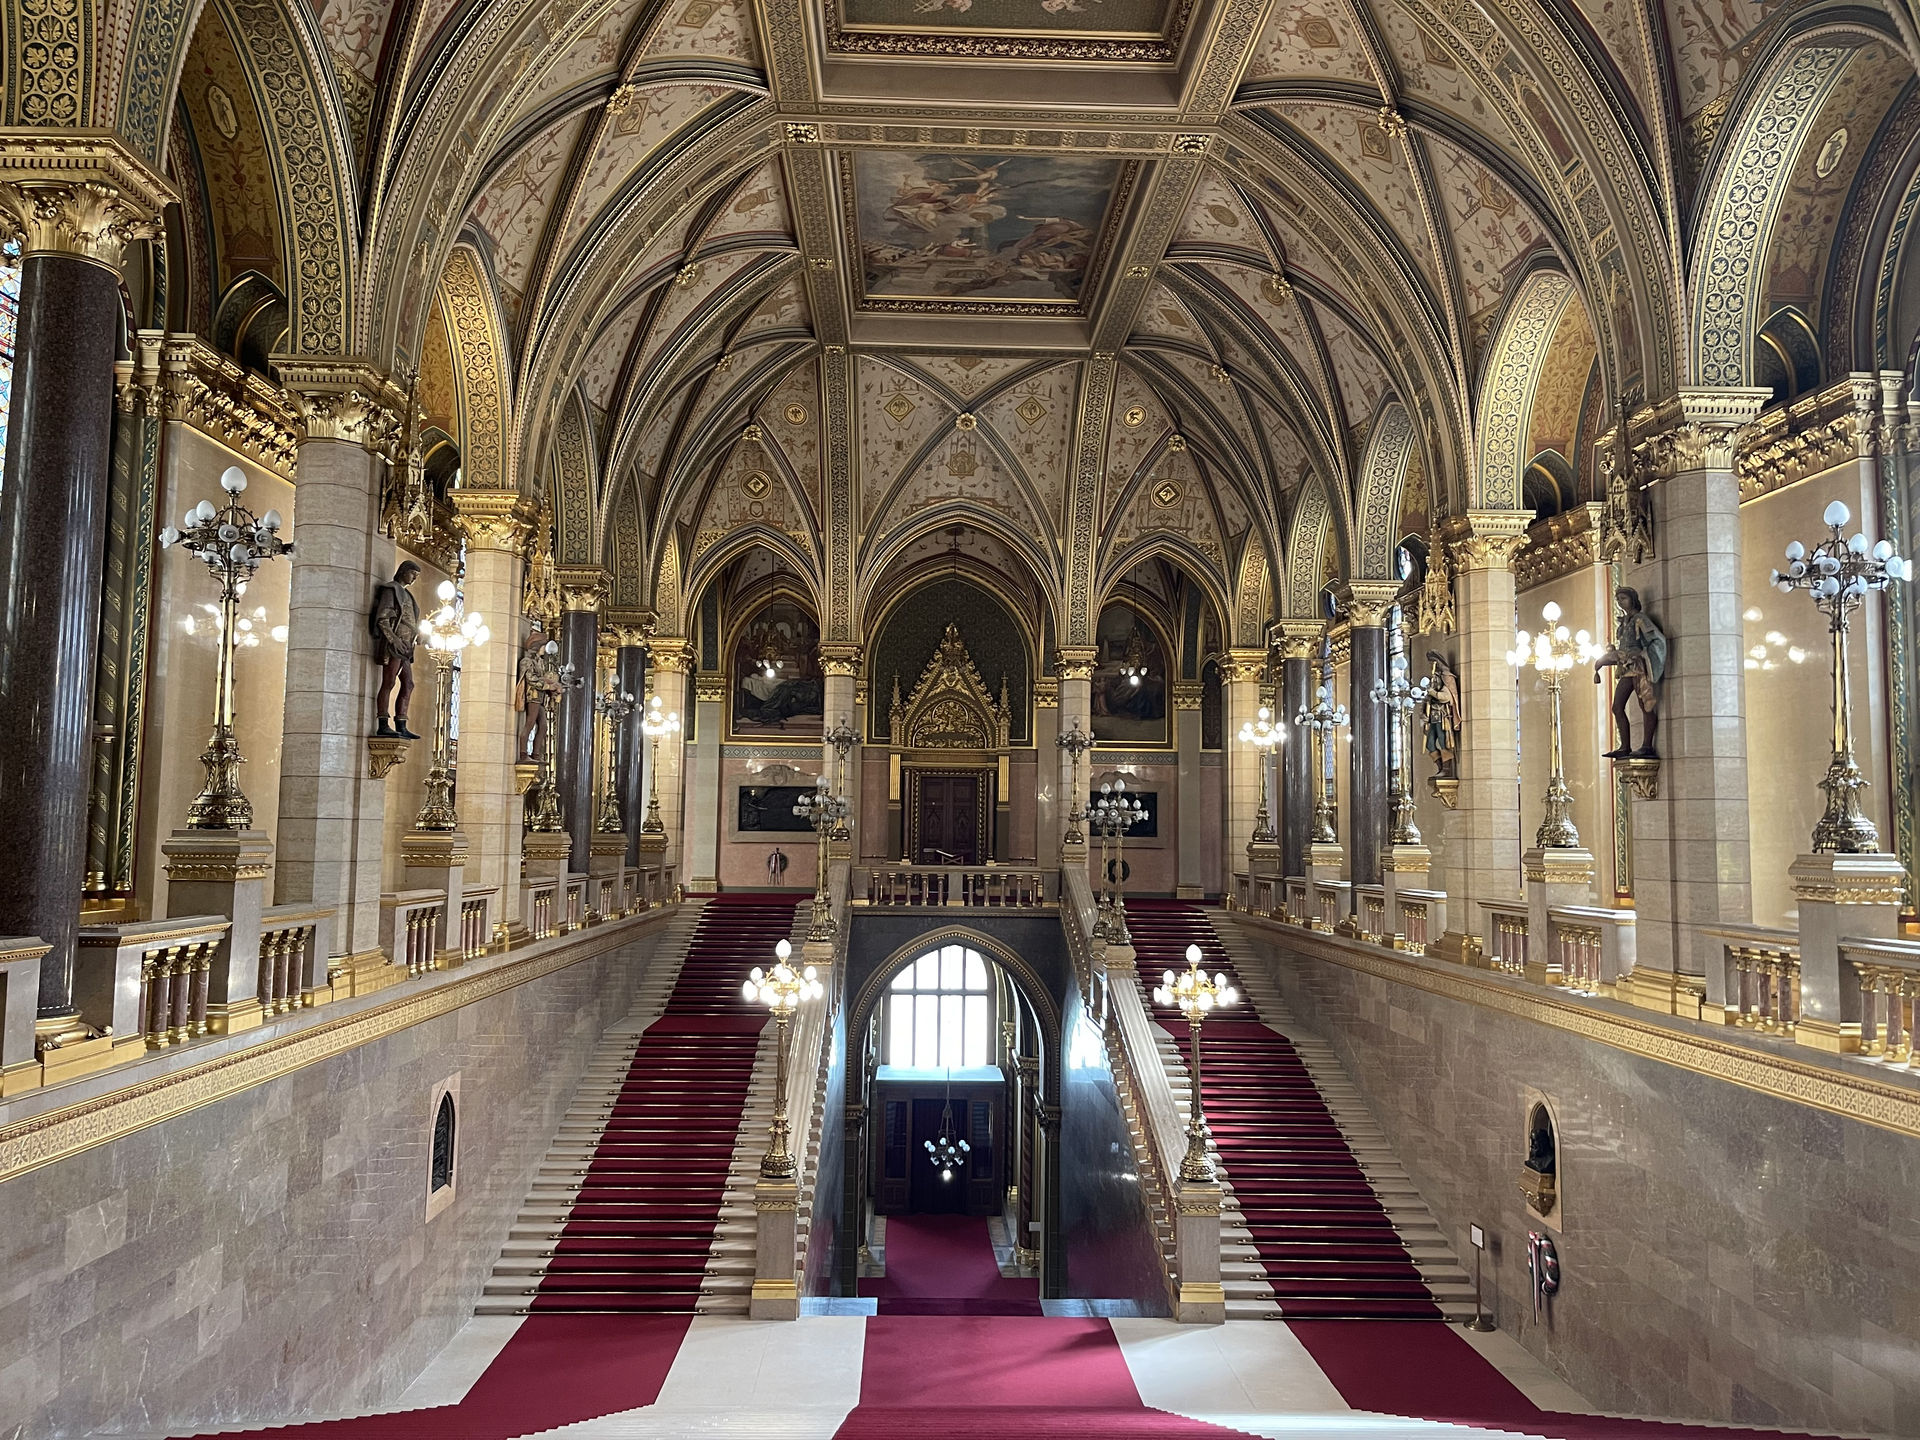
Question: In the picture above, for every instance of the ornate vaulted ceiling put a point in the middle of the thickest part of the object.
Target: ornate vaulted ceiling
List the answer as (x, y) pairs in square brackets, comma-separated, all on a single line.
[(1217, 279)]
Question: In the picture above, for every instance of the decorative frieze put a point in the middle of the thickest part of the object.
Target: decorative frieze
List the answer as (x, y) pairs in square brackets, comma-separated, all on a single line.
[(1813, 434), (1558, 546), (1486, 539), (346, 399), (82, 194), (181, 377)]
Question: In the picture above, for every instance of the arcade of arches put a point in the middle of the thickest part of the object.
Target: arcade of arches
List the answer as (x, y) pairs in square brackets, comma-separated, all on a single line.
[(512, 509)]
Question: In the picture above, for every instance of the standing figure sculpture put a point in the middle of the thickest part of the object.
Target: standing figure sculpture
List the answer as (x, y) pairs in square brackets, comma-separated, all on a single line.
[(1639, 659), (532, 683), (395, 623), (1443, 717)]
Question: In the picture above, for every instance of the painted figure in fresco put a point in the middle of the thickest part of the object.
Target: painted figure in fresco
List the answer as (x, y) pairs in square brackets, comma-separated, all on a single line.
[(395, 623), (1639, 659), (534, 682), (1443, 717)]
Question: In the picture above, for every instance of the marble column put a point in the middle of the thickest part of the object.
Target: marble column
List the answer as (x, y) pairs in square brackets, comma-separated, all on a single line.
[(1298, 642), (703, 763), (332, 824), (1368, 820), (1241, 675), (1049, 811), (631, 666), (53, 506), (1190, 880), (582, 591), (840, 663), (1075, 672), (1690, 843), (1488, 863), (495, 523), (672, 663)]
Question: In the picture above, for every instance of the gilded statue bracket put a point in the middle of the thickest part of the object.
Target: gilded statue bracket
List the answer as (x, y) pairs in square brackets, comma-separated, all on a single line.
[(383, 753), (1642, 774), (1446, 791)]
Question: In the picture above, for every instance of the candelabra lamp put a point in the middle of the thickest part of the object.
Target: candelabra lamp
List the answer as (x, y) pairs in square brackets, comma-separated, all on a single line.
[(231, 542), (544, 817), (1075, 743), (613, 705), (842, 738), (825, 812), (1114, 813), (448, 631), (1553, 652), (657, 721), (1261, 734), (1838, 572), (781, 990), (1401, 698), (1323, 720), (1198, 996)]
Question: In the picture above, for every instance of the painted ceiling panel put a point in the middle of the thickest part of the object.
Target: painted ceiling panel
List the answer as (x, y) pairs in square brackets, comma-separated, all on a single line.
[(1362, 382), (1713, 41), (719, 28), (720, 387), (967, 375), (896, 416), (649, 119), (353, 32), (1034, 418), (1376, 163), (514, 207), (1172, 499), (1563, 384), (606, 359), (593, 55), (679, 303), (791, 416), (1491, 228), (964, 467), (1139, 421), (1429, 72), (1217, 216), (784, 309), (1316, 39), (760, 208), (1166, 314)]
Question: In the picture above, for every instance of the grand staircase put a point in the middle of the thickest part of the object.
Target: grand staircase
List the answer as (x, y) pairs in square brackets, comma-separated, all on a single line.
[(1318, 1221), (645, 1201)]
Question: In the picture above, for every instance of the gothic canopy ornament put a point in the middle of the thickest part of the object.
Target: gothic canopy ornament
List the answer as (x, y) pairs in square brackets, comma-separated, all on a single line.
[(951, 708)]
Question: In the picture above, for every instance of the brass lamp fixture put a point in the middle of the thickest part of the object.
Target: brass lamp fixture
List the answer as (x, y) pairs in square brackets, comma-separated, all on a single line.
[(1838, 572), (448, 631), (1553, 652), (545, 817), (781, 990), (655, 722), (231, 542), (614, 705), (1262, 734), (1076, 743), (1401, 699), (1322, 720), (842, 737), (1197, 996), (824, 811), (1114, 813)]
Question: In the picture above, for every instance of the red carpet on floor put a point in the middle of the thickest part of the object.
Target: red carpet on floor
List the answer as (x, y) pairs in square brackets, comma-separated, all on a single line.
[(993, 1378), (944, 1265), (556, 1370), (1430, 1372)]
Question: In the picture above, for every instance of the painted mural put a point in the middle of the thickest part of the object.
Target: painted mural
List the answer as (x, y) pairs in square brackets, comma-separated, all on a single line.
[(777, 685), (1009, 17), (1129, 680), (1012, 228)]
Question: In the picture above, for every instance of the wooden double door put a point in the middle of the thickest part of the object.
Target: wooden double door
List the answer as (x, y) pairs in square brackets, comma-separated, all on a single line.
[(949, 820)]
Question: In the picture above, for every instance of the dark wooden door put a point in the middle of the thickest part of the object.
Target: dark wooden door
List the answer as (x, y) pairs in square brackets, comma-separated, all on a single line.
[(949, 820)]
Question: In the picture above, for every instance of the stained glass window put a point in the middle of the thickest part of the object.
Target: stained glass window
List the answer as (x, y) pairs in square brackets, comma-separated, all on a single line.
[(9, 324)]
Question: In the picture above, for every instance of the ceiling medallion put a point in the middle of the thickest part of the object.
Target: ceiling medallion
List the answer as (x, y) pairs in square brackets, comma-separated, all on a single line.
[(1277, 289), (1136, 416), (801, 132), (1166, 495), (689, 274), (756, 484), (1219, 373), (796, 414), (1177, 444), (1190, 144), (1830, 153), (1139, 272), (899, 405), (1031, 411), (964, 421), (751, 434)]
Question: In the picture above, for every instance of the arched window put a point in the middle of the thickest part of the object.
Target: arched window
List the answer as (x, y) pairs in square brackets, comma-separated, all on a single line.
[(940, 1012), (443, 1125)]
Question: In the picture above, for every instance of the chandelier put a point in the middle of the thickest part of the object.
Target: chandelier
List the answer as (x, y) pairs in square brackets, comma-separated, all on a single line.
[(947, 1150), (1134, 664)]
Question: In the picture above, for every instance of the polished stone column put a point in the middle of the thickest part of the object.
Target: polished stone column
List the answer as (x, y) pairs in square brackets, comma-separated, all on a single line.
[(630, 759), (1690, 844), (1487, 866), (1368, 820), (583, 591), (1298, 642), (841, 664), (1189, 880), (332, 811), (496, 524), (702, 752), (672, 663), (1076, 709), (1241, 674)]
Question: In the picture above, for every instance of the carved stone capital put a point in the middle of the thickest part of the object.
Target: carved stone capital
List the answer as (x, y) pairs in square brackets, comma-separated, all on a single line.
[(1187, 694), (583, 587), (1243, 664), (839, 657), (1560, 545), (670, 654), (1487, 539), (1076, 662), (494, 519), (345, 399), (1366, 602), (82, 194), (1297, 639), (180, 377), (1698, 429)]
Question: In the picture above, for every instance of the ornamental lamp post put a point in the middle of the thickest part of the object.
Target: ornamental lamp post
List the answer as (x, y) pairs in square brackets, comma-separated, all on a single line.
[(1553, 652), (1197, 996), (655, 722), (1262, 734), (1322, 720), (1838, 572), (448, 631), (1075, 743), (1401, 698), (1114, 813), (547, 818), (842, 737), (824, 811), (781, 990), (614, 705), (231, 542)]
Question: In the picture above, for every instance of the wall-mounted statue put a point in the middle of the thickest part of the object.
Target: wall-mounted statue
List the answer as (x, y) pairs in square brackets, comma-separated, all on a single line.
[(1639, 659), (1443, 717), (534, 683), (395, 623)]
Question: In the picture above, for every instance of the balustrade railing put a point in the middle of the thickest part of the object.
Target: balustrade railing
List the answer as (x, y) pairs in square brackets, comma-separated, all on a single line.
[(410, 923), (1372, 913), (995, 886), (288, 935), (1418, 909), (149, 978), (573, 910), (540, 908), (1762, 974), (1328, 903), (1889, 972), (1507, 932), (476, 920), (1297, 901), (1576, 955)]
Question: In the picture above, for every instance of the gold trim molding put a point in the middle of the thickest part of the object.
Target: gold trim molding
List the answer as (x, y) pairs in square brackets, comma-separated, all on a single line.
[(1558, 546), (181, 377)]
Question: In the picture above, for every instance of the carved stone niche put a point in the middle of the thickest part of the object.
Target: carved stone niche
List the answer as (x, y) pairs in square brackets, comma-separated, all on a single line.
[(1540, 1171)]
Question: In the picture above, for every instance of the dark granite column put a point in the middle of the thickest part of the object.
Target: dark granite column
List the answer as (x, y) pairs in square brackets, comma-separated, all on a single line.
[(1368, 822), (52, 532), (1299, 643), (579, 647), (633, 791)]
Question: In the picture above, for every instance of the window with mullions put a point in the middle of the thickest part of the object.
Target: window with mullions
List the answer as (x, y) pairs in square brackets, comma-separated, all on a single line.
[(940, 1012), (9, 325)]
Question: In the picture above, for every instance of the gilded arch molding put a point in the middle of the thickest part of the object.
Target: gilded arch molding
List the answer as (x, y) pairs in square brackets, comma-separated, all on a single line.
[(480, 371), (1382, 479), (1512, 379), (1309, 536), (571, 461)]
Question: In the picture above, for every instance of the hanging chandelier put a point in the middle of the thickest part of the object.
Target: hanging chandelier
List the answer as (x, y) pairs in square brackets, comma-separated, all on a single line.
[(770, 658), (1134, 664), (947, 1150)]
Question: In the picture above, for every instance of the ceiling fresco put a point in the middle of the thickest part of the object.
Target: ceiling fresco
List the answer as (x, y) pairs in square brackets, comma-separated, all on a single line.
[(939, 230), (1010, 29)]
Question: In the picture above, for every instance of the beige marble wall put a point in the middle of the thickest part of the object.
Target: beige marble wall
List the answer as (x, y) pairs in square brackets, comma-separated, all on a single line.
[(1724, 1255), (271, 1253)]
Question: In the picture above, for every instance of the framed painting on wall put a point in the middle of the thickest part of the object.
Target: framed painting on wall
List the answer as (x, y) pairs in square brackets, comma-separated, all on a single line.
[(778, 688)]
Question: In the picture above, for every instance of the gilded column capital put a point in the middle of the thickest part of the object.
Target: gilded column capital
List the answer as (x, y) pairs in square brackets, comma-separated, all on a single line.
[(1366, 602), (840, 657), (629, 628), (1187, 694), (494, 519), (582, 587), (1487, 539), (1076, 662), (1297, 639), (345, 399), (670, 654), (1698, 428), (78, 193), (1242, 664)]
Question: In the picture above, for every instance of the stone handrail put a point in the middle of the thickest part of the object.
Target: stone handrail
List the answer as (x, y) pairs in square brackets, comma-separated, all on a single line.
[(1507, 924), (1591, 947), (540, 907), (150, 978), (409, 927), (19, 1003), (1762, 977), (1008, 886), (293, 955), (476, 920), (1889, 972)]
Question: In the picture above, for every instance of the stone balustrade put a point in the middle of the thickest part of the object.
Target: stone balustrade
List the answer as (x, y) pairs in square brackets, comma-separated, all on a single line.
[(19, 1003), (1762, 977), (1370, 913), (1507, 923), (1589, 947), (292, 958), (151, 979), (540, 907), (1889, 972), (409, 927), (1423, 919), (941, 886), (476, 920)]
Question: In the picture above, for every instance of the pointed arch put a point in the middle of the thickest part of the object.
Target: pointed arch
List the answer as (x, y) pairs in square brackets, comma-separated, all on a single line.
[(571, 466), (626, 549), (1383, 477), (1254, 596), (1309, 536), (479, 369), (1512, 379)]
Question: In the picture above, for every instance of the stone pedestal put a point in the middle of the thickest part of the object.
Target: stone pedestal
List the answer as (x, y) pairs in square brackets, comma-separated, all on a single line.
[(1326, 864), (545, 856), (608, 856), (776, 1286), (1556, 875), (1263, 858), (1842, 897), (1403, 868), (224, 872), (1202, 1300), (437, 860)]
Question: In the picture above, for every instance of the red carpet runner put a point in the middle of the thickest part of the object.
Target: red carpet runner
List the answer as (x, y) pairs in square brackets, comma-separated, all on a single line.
[(1326, 1244), (944, 1265), (979, 1378), (639, 1232)]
